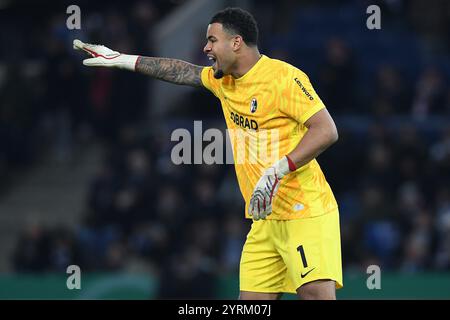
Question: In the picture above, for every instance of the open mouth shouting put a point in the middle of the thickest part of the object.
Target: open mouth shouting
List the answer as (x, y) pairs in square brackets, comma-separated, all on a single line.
[(213, 59)]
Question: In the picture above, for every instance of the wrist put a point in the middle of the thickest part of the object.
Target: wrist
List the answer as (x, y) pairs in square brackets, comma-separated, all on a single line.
[(127, 62), (292, 165), (284, 166)]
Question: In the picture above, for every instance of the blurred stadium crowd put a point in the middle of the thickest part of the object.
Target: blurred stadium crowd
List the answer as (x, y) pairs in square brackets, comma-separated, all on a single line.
[(389, 91)]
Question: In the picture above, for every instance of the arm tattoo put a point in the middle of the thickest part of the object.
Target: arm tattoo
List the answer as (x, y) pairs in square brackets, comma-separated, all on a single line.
[(170, 70)]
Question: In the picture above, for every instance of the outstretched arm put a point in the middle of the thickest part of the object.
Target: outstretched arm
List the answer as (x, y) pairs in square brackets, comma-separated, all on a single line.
[(170, 70)]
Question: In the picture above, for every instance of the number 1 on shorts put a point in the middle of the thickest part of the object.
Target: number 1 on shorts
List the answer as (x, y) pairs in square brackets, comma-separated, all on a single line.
[(302, 254)]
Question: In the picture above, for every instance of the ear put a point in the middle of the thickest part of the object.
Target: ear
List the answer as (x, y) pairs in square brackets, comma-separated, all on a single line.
[(238, 42)]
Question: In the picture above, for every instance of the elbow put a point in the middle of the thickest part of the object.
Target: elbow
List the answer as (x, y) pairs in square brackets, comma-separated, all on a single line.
[(332, 136)]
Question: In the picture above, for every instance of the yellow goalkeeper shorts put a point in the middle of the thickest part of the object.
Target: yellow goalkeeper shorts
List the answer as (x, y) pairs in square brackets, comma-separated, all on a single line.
[(282, 255)]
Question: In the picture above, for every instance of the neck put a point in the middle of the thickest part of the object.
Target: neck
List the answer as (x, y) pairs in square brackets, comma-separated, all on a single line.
[(245, 62)]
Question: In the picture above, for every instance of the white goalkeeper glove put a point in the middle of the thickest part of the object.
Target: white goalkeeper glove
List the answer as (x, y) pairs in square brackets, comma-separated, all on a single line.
[(267, 186), (105, 57)]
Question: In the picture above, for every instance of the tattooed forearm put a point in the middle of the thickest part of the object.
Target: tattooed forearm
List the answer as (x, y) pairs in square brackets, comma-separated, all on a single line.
[(170, 70)]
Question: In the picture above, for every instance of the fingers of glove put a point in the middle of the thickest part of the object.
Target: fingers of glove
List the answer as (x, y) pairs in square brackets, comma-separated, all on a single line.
[(90, 49), (77, 44), (262, 215), (95, 62), (275, 190), (251, 206), (264, 205), (257, 209), (268, 210), (99, 62), (270, 180)]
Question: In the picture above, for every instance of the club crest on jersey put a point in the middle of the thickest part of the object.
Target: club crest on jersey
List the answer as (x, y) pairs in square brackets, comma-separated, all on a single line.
[(253, 105)]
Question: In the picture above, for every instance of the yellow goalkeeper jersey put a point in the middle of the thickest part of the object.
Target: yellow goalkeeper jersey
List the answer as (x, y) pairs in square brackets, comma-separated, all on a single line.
[(265, 111)]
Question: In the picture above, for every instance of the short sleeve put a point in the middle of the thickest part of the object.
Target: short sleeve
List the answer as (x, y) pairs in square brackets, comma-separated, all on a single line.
[(300, 100), (209, 82)]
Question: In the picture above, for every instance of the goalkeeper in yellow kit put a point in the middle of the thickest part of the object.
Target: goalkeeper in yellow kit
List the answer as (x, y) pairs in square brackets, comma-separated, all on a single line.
[(294, 242)]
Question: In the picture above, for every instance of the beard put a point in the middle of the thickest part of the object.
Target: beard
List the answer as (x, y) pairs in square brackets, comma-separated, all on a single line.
[(218, 74)]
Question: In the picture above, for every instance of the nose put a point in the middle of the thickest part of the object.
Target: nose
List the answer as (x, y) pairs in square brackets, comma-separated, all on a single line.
[(207, 48)]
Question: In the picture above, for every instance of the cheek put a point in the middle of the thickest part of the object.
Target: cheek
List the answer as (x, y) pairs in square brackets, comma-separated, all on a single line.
[(226, 54), (229, 59), (223, 50)]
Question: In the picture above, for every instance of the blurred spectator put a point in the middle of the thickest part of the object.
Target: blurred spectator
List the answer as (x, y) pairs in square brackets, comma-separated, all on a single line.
[(390, 92), (430, 94), (379, 167), (338, 76), (62, 251), (152, 241), (32, 250), (440, 150), (431, 21), (418, 244), (188, 275), (442, 224), (232, 237), (116, 256), (381, 234)]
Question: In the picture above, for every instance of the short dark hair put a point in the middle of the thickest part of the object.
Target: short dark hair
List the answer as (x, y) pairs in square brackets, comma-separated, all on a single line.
[(238, 21)]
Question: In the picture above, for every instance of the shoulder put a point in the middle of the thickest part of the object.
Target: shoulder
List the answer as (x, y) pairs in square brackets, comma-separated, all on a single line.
[(285, 69)]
